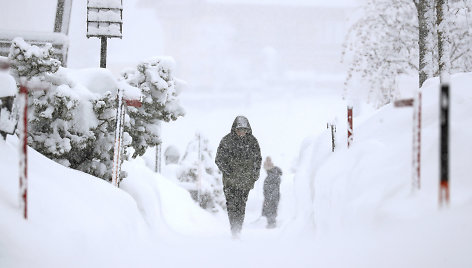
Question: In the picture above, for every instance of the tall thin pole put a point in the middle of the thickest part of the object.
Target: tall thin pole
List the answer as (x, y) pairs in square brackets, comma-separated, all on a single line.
[(157, 164), (23, 130), (350, 128), (117, 151), (103, 52), (444, 145), (416, 157)]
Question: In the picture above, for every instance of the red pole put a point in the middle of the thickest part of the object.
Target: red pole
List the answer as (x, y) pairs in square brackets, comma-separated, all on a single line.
[(350, 128), (23, 132)]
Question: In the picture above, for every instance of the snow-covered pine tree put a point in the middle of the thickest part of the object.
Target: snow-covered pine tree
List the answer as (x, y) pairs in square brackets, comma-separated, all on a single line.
[(200, 170), (67, 123), (160, 103), (31, 61)]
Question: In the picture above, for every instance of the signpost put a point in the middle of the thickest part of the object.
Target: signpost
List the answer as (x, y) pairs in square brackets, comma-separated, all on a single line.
[(104, 20)]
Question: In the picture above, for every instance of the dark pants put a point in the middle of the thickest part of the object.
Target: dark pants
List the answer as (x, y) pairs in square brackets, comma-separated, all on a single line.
[(236, 205)]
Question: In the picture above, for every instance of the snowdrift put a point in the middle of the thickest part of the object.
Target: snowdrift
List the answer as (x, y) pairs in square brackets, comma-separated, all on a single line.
[(77, 220), (361, 199)]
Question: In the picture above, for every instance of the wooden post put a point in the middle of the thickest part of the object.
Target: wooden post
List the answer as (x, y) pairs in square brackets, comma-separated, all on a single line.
[(444, 145), (350, 128), (23, 133), (103, 52)]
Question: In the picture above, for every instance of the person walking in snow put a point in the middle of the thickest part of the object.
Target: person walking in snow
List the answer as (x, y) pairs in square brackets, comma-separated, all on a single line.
[(239, 159), (271, 192)]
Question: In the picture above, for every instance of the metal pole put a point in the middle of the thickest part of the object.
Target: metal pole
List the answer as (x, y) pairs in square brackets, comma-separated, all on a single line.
[(349, 126), (444, 145), (157, 164), (416, 156), (199, 162), (23, 132), (103, 52), (118, 140)]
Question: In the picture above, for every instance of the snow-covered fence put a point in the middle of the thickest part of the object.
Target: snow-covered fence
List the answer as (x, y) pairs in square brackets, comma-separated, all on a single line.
[(59, 42), (444, 146)]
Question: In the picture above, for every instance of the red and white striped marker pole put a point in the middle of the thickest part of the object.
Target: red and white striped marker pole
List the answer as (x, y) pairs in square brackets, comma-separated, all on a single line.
[(118, 148), (23, 133)]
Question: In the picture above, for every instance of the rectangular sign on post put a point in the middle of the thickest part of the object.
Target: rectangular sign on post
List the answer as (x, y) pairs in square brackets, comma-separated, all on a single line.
[(104, 20)]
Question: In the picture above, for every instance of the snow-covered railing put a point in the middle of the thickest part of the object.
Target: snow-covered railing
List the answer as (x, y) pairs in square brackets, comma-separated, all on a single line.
[(59, 41)]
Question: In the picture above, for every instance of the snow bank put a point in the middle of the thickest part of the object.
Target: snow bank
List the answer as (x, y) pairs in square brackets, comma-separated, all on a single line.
[(76, 220), (362, 196)]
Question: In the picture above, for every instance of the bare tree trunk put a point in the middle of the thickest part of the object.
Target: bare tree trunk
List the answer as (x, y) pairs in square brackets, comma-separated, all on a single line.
[(443, 37), (425, 12)]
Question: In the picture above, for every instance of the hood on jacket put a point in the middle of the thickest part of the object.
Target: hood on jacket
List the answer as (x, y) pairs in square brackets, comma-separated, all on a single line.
[(241, 122)]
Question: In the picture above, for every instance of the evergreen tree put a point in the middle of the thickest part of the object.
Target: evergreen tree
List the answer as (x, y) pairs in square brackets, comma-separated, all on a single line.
[(200, 170), (160, 103)]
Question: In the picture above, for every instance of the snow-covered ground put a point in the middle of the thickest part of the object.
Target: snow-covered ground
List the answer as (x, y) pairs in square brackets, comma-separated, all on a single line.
[(350, 208)]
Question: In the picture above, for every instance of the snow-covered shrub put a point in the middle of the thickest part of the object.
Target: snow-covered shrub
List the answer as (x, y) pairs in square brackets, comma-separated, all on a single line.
[(160, 103), (202, 177), (31, 61), (74, 126), (66, 121)]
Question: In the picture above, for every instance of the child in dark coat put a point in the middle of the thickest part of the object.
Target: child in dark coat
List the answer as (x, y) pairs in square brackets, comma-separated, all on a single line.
[(271, 192)]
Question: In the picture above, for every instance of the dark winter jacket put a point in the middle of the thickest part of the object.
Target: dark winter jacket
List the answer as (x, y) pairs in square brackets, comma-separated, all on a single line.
[(239, 158), (271, 192)]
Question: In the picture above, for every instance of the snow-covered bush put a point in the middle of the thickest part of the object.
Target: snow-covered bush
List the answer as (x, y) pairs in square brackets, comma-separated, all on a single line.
[(31, 61), (72, 116), (73, 126), (202, 177), (160, 103)]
